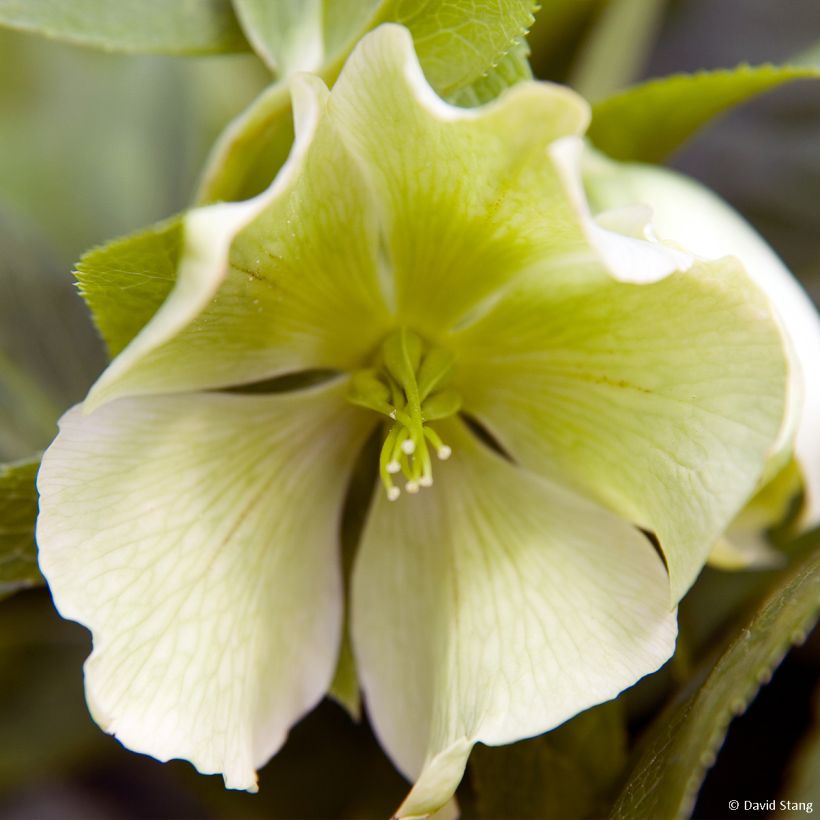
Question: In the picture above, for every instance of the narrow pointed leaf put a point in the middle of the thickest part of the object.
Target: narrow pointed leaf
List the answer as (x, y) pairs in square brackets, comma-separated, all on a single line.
[(18, 511), (147, 26), (682, 743), (649, 121)]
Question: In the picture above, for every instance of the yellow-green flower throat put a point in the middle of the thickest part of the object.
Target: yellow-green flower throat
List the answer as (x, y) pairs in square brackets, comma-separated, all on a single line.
[(410, 384)]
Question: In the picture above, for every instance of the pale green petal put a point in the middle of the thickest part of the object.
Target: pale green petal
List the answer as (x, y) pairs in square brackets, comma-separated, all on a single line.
[(197, 538), (493, 607), (662, 401), (467, 198), (687, 213), (287, 281)]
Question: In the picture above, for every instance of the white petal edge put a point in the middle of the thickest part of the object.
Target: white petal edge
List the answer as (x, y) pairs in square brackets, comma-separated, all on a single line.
[(626, 257), (196, 536)]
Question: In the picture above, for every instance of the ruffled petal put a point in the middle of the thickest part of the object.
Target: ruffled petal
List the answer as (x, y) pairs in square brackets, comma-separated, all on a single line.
[(197, 538), (467, 198), (493, 607)]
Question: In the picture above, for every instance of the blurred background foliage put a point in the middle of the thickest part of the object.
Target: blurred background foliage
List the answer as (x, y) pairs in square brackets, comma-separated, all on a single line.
[(94, 145)]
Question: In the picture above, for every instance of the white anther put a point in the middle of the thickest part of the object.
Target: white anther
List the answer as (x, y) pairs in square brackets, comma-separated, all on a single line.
[(412, 487), (408, 446), (393, 415), (393, 467), (393, 493), (444, 452), (426, 481)]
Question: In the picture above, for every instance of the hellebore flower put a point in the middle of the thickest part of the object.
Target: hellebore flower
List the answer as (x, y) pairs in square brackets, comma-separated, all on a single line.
[(441, 263), (685, 212)]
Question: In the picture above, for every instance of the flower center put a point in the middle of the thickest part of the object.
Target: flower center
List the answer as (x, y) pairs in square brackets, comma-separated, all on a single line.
[(410, 385)]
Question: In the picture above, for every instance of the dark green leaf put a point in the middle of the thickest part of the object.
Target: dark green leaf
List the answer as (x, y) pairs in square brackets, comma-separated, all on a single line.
[(150, 26), (18, 512), (681, 744), (649, 121), (566, 774)]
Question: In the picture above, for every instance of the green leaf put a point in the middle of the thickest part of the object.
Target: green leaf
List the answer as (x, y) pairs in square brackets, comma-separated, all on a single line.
[(681, 745), (125, 281), (148, 26), (564, 774), (458, 42), (649, 121), (604, 65), (18, 512)]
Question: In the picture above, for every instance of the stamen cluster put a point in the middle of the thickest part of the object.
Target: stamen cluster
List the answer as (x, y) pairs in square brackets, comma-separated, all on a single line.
[(410, 385)]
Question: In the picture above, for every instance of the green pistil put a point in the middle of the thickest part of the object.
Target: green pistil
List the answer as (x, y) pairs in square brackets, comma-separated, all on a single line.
[(410, 385)]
